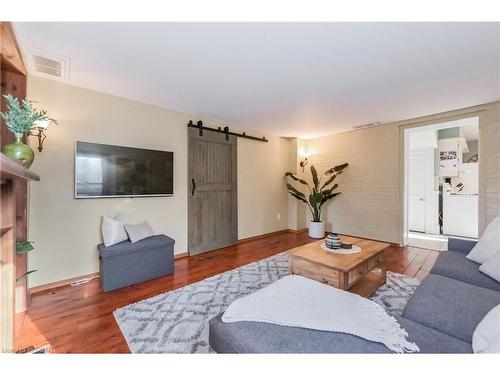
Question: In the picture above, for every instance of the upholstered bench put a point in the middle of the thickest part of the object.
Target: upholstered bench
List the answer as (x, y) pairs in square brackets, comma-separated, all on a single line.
[(128, 263)]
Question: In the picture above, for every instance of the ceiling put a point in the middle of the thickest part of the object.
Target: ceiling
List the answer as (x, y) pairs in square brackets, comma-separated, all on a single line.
[(290, 79)]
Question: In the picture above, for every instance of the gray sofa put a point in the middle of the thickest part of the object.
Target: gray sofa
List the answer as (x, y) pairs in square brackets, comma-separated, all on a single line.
[(440, 317)]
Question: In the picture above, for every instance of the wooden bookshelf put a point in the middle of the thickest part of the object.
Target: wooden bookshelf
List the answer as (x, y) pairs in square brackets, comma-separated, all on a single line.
[(11, 174), (10, 170), (14, 297)]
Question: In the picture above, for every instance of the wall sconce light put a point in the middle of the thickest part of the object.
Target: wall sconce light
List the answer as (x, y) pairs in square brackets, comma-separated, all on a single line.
[(305, 154), (303, 163), (40, 126)]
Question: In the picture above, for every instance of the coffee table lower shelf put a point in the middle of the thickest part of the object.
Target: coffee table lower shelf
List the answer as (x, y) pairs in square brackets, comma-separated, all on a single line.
[(368, 285)]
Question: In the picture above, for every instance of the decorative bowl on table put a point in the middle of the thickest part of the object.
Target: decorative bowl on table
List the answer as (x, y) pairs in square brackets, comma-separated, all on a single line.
[(333, 241)]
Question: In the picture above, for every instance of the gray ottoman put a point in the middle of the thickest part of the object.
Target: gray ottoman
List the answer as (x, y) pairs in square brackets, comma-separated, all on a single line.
[(128, 263)]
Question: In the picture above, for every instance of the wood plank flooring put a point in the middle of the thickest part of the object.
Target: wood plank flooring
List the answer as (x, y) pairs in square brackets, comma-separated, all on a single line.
[(80, 319)]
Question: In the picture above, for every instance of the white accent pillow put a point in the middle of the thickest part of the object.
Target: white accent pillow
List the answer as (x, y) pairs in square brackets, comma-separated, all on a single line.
[(113, 231), (139, 232), (488, 245), (486, 337), (492, 268)]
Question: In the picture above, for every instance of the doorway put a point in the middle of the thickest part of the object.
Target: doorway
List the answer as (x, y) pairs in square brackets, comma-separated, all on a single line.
[(212, 191), (441, 183)]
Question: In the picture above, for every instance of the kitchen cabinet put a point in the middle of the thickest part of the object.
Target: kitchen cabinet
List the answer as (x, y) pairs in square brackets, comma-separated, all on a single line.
[(460, 215), (450, 156)]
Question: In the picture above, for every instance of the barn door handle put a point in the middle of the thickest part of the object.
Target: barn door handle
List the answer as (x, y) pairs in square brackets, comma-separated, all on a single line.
[(194, 186)]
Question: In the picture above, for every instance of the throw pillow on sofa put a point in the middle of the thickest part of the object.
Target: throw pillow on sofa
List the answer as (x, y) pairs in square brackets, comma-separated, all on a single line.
[(488, 245), (486, 337), (113, 231), (492, 267), (139, 232)]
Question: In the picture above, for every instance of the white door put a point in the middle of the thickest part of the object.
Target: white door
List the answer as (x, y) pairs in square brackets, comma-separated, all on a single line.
[(416, 191)]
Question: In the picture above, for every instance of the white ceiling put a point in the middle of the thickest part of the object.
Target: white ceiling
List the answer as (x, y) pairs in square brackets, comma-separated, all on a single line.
[(291, 79)]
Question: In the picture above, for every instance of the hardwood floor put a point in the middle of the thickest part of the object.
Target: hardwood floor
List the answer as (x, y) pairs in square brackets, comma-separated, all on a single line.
[(80, 319)]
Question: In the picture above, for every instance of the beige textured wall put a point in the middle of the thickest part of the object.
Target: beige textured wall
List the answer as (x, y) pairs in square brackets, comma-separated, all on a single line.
[(489, 164), (372, 203), (368, 206), (67, 230)]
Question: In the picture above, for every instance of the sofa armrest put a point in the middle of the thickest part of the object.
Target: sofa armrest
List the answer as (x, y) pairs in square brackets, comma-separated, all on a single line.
[(461, 246)]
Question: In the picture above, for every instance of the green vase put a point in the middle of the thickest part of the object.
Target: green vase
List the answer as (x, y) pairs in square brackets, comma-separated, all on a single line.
[(19, 152)]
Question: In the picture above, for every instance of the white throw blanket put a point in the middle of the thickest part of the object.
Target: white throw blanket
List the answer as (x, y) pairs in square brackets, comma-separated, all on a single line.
[(295, 301)]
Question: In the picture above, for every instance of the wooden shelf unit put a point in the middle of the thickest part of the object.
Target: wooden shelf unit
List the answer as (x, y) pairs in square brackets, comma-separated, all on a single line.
[(14, 297), (11, 174)]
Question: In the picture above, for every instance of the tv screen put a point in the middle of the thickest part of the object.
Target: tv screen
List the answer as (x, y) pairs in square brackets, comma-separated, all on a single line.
[(117, 171)]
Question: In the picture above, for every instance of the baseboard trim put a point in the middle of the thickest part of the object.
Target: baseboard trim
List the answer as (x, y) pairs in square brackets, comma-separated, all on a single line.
[(181, 255), (243, 240), (57, 284), (297, 231)]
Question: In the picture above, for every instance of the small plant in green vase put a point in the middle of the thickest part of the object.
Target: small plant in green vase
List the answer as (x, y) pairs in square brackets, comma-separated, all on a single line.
[(319, 193), (20, 119)]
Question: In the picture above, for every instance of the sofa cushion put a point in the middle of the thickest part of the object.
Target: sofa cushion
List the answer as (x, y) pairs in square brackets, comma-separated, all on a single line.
[(127, 247), (486, 338), (491, 267), (488, 244), (253, 337), (450, 306), (460, 245), (456, 266)]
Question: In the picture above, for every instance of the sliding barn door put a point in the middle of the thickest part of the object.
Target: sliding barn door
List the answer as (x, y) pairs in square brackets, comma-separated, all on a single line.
[(212, 185)]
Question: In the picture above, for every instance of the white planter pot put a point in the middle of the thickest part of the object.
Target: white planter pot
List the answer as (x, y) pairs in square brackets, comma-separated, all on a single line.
[(316, 230)]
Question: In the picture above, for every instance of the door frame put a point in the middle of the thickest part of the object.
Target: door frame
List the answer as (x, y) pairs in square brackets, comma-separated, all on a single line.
[(214, 138), (431, 197), (433, 122)]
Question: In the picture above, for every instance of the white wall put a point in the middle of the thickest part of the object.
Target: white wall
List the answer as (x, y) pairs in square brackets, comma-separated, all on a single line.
[(67, 230)]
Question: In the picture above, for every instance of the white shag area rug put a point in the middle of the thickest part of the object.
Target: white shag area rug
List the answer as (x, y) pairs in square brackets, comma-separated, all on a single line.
[(177, 321)]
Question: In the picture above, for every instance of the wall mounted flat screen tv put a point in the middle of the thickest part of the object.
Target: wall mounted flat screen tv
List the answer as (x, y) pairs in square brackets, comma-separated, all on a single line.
[(105, 171)]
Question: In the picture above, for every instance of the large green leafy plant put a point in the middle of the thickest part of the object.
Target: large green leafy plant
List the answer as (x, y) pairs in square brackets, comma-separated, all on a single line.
[(320, 192), (21, 115)]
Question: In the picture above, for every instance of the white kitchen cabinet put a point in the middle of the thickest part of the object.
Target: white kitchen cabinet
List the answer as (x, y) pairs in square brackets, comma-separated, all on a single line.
[(450, 156), (460, 215)]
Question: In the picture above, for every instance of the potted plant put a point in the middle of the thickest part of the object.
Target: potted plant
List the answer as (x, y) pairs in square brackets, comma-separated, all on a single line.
[(20, 118), (318, 195), (23, 247)]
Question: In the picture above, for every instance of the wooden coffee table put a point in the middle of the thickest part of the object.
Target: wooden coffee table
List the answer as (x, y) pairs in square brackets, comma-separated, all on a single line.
[(361, 273)]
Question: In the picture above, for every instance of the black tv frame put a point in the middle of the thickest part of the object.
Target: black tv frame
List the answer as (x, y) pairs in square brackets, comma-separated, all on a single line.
[(120, 195)]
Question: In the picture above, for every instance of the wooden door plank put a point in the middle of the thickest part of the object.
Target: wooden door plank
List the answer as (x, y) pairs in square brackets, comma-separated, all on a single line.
[(212, 210)]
